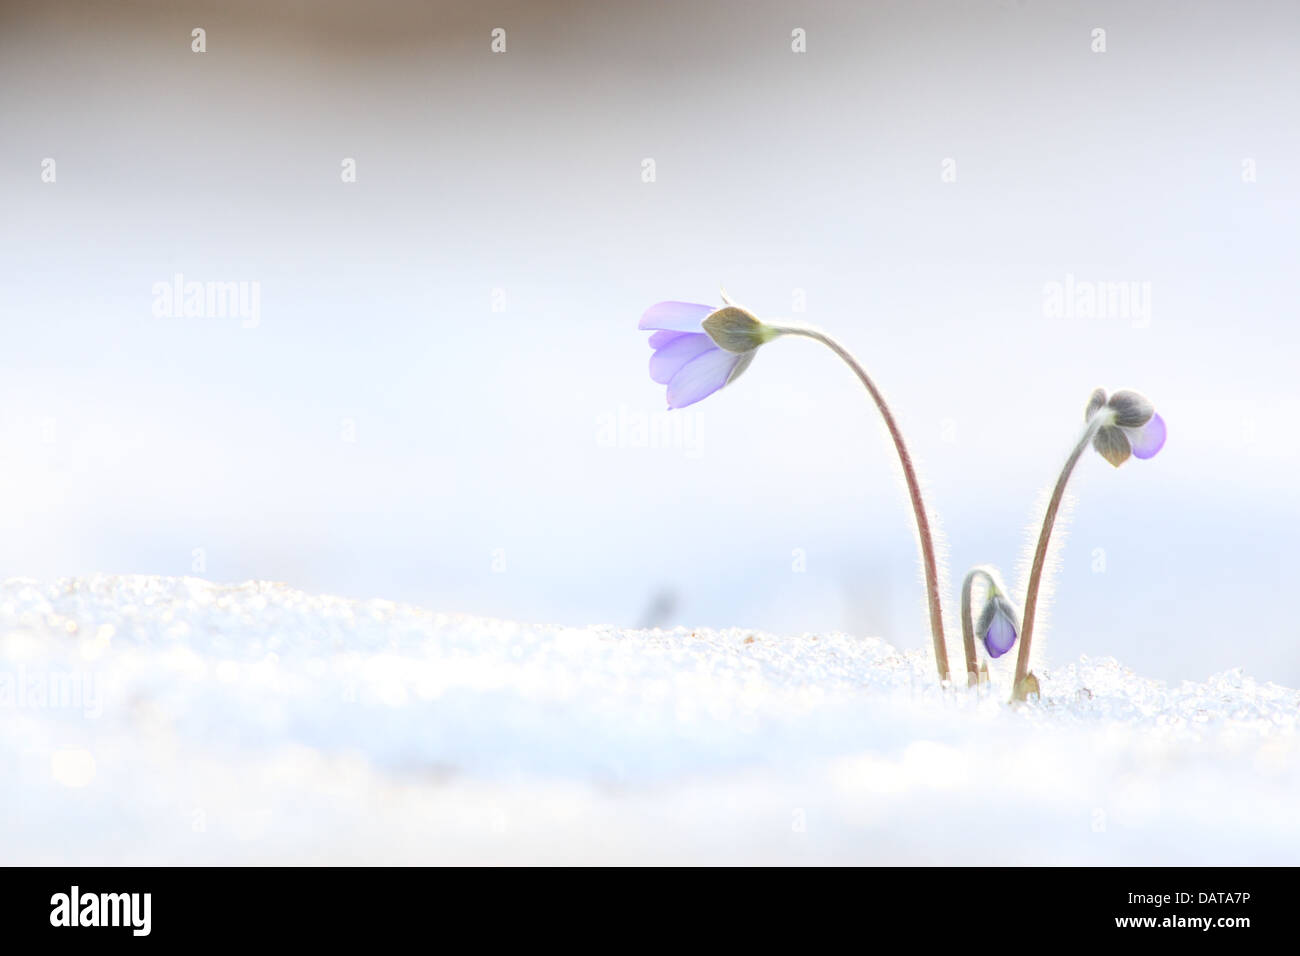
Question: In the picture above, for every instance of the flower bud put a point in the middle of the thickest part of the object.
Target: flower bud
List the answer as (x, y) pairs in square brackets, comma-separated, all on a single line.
[(1131, 426), (998, 625)]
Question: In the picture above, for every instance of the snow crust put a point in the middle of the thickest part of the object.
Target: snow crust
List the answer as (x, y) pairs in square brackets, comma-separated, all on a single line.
[(159, 720)]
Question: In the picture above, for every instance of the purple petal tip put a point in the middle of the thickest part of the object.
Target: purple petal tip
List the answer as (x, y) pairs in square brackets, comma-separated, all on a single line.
[(1000, 637), (675, 316), (1150, 438)]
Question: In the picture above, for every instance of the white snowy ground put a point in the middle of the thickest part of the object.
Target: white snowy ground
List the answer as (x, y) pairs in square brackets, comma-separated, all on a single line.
[(153, 720)]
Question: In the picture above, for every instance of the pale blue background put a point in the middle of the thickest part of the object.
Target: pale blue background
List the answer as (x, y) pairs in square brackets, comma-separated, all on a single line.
[(479, 430)]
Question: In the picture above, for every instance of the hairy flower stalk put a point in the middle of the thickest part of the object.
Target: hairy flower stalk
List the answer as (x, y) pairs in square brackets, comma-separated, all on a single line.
[(928, 561), (1019, 689), (700, 349), (1124, 425)]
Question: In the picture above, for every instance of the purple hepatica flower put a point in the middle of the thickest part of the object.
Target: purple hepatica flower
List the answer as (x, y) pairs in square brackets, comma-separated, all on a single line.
[(1133, 427), (997, 625), (699, 350), (692, 361)]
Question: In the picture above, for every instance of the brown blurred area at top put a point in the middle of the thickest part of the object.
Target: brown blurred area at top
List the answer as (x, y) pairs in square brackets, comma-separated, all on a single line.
[(331, 27)]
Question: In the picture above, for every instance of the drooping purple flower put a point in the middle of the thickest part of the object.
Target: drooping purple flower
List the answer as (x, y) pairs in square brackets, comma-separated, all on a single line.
[(699, 350), (997, 625), (687, 358), (1134, 428)]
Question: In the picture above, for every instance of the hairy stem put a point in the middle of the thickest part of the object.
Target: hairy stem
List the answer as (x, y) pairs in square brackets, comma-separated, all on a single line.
[(913, 490), (968, 622), (1040, 555)]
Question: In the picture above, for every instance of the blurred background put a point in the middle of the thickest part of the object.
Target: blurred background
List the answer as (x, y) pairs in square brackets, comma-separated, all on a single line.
[(441, 396)]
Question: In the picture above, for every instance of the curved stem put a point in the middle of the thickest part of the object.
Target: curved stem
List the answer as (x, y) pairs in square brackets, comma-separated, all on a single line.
[(1040, 556), (968, 622), (913, 489)]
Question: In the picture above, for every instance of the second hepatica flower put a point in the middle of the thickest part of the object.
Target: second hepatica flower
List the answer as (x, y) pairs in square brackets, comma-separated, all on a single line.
[(1122, 426), (700, 348), (1131, 427)]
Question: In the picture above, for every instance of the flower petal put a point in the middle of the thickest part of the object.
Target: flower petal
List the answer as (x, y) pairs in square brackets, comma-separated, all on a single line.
[(740, 366), (701, 377), (1001, 635), (659, 339), (1112, 444), (668, 361), (1148, 439), (675, 316)]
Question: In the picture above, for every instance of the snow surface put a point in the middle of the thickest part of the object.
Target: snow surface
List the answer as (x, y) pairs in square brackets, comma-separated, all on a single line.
[(152, 720)]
